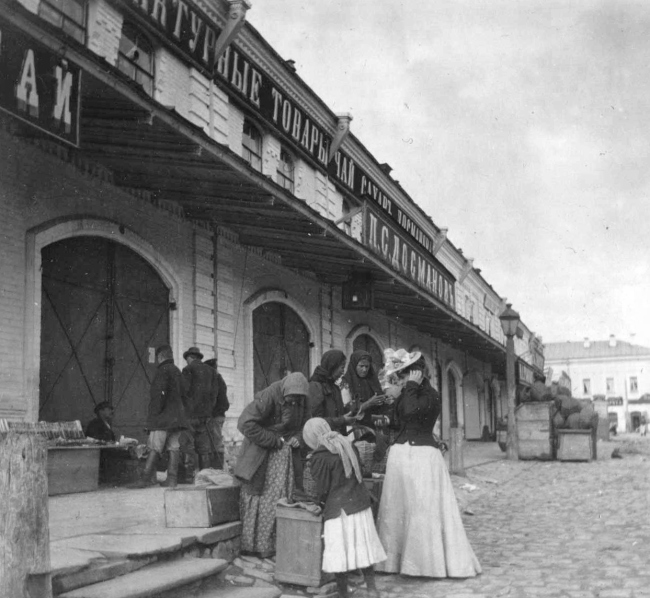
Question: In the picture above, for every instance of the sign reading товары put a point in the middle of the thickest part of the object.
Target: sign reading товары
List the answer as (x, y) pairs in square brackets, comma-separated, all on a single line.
[(186, 29)]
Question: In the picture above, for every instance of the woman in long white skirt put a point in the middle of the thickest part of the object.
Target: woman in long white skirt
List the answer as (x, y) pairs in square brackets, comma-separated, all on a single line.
[(351, 540), (419, 522)]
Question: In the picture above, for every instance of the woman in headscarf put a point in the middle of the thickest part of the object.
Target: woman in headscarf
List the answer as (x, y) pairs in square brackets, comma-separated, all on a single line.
[(269, 463), (362, 383), (419, 522), (324, 394), (349, 532)]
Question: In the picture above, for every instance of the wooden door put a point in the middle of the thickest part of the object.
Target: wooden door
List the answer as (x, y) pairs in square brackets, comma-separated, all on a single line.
[(453, 400), (280, 344), (104, 310)]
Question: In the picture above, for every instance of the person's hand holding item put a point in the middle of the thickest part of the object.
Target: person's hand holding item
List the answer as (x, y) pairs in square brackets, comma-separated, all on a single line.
[(415, 376), (293, 442)]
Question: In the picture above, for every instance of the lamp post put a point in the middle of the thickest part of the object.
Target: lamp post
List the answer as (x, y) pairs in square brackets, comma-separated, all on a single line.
[(509, 323)]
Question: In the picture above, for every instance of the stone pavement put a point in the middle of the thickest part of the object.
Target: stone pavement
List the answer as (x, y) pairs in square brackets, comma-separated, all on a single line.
[(556, 529)]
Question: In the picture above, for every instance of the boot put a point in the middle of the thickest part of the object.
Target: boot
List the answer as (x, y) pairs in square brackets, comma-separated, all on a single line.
[(217, 460), (188, 466), (172, 470), (148, 473), (204, 462), (342, 584)]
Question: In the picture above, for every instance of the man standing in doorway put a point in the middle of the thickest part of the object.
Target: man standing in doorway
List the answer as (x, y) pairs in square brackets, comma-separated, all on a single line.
[(201, 391), (218, 418), (166, 419)]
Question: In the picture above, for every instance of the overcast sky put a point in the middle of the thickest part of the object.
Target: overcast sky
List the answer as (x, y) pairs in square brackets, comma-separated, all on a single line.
[(523, 127)]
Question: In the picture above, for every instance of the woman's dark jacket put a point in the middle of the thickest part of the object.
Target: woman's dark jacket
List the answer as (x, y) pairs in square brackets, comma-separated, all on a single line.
[(166, 411), (362, 389), (333, 490), (415, 413), (265, 423), (325, 400)]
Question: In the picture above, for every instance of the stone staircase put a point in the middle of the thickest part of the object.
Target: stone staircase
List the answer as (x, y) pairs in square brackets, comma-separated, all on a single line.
[(145, 561)]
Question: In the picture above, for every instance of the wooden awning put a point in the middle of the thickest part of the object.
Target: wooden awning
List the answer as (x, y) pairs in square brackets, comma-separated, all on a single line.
[(150, 147)]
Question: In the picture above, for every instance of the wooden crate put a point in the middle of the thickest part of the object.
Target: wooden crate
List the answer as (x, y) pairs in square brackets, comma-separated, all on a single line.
[(299, 547), (535, 431), (575, 445), (72, 469), (201, 506)]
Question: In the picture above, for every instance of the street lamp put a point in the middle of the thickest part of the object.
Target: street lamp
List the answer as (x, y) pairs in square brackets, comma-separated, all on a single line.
[(509, 323)]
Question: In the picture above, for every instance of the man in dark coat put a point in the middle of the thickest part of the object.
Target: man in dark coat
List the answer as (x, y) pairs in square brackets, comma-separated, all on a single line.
[(201, 392), (100, 428), (166, 419), (218, 418)]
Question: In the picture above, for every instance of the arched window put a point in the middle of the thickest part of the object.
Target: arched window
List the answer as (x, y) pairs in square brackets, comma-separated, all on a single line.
[(252, 145), (135, 57), (280, 344), (69, 15), (286, 170)]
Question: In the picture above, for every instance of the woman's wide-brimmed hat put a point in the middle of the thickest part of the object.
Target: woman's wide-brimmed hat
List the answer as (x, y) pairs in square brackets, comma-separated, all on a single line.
[(399, 360)]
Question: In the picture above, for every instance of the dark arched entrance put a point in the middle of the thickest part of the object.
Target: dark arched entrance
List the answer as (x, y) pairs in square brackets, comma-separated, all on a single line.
[(365, 342), (280, 344), (104, 310), (453, 400)]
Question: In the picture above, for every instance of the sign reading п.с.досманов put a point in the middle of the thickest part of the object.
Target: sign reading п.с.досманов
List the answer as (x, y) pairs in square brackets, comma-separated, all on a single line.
[(382, 237), (188, 31), (38, 86)]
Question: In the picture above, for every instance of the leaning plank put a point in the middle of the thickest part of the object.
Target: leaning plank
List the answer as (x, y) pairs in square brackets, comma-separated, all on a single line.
[(24, 521)]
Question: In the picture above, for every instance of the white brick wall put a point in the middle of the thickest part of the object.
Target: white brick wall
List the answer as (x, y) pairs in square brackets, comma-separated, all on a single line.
[(172, 83), (104, 30)]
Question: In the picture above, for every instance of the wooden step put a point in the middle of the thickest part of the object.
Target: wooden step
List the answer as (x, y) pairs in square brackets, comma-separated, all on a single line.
[(152, 580), (239, 592)]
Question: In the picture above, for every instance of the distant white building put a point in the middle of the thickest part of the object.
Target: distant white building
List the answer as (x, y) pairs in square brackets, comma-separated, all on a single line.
[(616, 370)]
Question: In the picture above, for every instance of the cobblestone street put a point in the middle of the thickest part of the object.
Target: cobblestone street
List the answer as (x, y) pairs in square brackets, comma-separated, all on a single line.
[(574, 530)]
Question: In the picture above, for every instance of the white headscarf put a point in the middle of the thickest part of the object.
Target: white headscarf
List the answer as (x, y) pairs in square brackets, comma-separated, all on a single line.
[(317, 432)]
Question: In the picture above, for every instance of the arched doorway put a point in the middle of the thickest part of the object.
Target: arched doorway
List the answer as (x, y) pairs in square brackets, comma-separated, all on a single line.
[(104, 309), (280, 344), (453, 399), (365, 342)]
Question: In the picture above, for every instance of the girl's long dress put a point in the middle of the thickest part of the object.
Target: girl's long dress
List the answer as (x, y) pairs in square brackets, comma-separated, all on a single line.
[(419, 522), (258, 511)]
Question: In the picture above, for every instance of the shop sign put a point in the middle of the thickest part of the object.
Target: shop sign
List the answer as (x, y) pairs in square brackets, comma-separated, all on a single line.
[(524, 374), (194, 34), (39, 87), (393, 247)]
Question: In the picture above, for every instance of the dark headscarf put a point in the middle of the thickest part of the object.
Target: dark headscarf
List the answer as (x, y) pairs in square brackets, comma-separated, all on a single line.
[(329, 363), (362, 388)]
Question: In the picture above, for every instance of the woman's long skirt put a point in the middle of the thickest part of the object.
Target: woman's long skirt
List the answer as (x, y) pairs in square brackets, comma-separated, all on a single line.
[(351, 542), (258, 511), (419, 522)]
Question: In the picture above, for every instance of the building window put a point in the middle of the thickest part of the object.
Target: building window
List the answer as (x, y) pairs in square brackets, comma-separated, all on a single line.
[(135, 57), (586, 386), (609, 385), (69, 15), (285, 170), (345, 212), (634, 384), (252, 145)]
